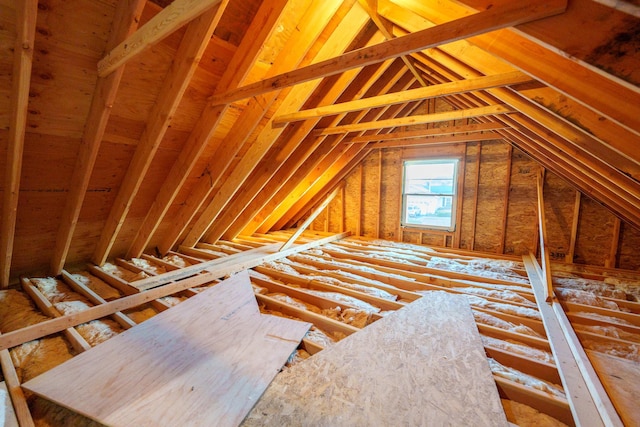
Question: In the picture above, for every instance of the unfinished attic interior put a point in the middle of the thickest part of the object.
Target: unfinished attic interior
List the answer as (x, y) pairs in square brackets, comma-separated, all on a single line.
[(320, 212)]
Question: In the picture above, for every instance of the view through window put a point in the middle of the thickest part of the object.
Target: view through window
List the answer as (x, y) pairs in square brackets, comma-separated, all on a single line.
[(428, 193)]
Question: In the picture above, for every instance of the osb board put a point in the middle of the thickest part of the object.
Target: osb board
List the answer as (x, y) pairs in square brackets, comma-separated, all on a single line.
[(522, 211), (401, 370), (204, 362), (391, 193), (494, 162), (468, 196), (370, 201), (620, 379), (595, 233), (628, 248), (353, 193)]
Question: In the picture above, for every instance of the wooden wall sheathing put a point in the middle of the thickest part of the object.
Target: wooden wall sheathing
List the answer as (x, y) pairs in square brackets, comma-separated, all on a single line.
[(370, 179), (484, 229), (493, 177), (594, 233), (522, 194)]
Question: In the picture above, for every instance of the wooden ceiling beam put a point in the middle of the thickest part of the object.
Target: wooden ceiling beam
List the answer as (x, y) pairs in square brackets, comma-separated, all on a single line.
[(172, 17), (287, 151), (500, 16), (420, 119), (472, 137), (474, 128), (243, 60), (619, 101), (185, 63), (125, 22), (26, 12), (338, 41), (323, 180), (369, 80), (451, 88)]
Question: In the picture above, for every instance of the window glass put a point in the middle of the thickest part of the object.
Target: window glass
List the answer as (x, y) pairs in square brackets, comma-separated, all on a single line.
[(429, 189)]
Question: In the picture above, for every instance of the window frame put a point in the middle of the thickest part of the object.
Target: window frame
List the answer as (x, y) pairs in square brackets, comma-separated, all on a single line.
[(454, 194)]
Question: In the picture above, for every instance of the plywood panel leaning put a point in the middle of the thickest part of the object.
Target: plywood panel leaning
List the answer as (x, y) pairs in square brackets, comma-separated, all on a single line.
[(195, 364), (370, 378)]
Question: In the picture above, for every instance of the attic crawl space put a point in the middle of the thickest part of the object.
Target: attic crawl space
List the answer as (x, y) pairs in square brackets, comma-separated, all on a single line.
[(347, 163)]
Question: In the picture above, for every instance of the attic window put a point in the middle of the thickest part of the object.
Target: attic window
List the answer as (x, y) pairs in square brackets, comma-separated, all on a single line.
[(429, 193)]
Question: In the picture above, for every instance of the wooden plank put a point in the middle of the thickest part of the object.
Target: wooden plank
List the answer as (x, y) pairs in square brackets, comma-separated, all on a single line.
[(185, 63), (206, 361), (350, 383), (26, 12), (18, 398), (310, 219), (435, 140), (421, 133), (620, 378), (501, 16), (442, 89), (83, 290), (125, 22), (542, 233), (420, 119), (590, 406), (172, 17), (574, 229), (7, 413), (77, 341), (610, 262)]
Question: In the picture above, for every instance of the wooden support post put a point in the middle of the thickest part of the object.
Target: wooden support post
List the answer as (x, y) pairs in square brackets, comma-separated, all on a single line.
[(544, 250), (21, 81), (310, 219), (379, 194), (574, 229), (505, 210), (590, 404), (360, 174), (615, 238), (475, 199)]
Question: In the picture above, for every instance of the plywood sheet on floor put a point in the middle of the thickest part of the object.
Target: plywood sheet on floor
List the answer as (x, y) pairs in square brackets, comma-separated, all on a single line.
[(620, 379), (204, 362), (422, 365)]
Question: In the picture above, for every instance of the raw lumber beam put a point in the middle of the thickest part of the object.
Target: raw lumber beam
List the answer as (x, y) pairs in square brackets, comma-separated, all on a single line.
[(26, 12), (207, 360), (349, 383), (544, 249), (450, 88), (472, 137), (504, 15), (184, 65), (125, 22), (18, 398), (420, 119), (77, 341), (7, 411), (589, 403), (82, 289), (340, 40), (237, 70), (310, 219), (164, 23), (475, 128)]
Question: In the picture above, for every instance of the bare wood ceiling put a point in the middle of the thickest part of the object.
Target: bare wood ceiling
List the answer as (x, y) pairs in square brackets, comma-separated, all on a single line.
[(217, 130)]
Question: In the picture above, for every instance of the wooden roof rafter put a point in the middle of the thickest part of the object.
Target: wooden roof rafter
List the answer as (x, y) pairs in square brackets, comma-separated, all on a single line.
[(23, 53)]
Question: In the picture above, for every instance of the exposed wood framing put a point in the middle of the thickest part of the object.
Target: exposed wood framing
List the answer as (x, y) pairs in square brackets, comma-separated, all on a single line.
[(590, 404), (238, 69), (495, 18), (18, 398), (542, 233), (574, 228), (192, 47), (615, 240), (21, 81), (505, 210), (125, 23), (450, 88), (421, 119), (470, 129), (164, 23)]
